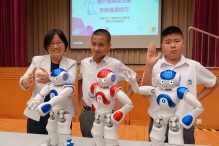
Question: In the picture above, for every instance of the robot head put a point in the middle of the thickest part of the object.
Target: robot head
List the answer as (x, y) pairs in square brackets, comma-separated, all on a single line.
[(59, 76), (168, 79), (106, 78)]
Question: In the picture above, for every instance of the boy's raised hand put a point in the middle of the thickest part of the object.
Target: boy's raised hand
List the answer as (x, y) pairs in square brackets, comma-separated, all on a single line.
[(151, 55)]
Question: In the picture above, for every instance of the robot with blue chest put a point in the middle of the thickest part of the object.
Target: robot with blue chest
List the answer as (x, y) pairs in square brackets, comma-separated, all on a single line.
[(59, 122), (168, 94), (102, 96)]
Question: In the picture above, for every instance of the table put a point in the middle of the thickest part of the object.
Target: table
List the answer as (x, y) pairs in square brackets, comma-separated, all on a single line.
[(24, 139)]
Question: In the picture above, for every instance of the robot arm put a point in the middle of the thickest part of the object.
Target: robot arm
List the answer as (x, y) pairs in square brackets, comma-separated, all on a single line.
[(119, 115), (45, 107), (131, 79), (34, 102), (91, 94), (188, 120)]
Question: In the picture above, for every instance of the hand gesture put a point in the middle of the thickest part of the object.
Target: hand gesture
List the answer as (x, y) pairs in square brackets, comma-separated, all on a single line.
[(151, 55), (43, 78), (31, 77), (129, 77), (32, 104)]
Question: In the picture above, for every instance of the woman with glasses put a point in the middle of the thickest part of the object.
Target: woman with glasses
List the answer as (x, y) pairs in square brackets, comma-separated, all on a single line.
[(55, 43)]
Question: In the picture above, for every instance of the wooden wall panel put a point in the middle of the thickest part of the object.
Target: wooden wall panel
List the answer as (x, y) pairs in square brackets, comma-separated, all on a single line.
[(13, 100)]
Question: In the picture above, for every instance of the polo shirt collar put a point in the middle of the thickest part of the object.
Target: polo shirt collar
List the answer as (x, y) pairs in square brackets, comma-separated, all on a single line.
[(105, 59), (182, 61)]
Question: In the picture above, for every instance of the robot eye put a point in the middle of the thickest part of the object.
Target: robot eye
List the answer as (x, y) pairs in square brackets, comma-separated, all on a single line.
[(56, 79), (171, 82), (162, 82), (103, 80)]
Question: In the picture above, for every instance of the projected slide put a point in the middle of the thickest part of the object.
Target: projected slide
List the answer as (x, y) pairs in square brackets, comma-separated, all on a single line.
[(122, 18)]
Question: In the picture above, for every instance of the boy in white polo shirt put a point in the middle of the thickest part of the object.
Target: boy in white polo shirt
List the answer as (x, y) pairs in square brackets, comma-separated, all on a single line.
[(192, 73), (100, 45)]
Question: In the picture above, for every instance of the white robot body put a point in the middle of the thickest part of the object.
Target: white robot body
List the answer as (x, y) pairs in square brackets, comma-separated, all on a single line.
[(168, 94), (58, 125), (102, 95)]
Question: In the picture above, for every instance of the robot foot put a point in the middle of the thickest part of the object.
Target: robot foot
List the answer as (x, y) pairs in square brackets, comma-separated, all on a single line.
[(112, 142), (99, 141), (48, 143), (157, 143)]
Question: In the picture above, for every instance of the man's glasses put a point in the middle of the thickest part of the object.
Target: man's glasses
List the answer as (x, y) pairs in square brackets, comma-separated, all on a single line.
[(57, 43)]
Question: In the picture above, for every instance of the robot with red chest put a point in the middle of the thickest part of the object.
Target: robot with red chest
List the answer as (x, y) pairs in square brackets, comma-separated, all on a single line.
[(102, 95)]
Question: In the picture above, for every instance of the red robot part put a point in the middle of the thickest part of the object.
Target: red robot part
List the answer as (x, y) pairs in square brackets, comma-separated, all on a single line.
[(113, 90), (103, 73), (92, 87), (100, 95), (93, 108), (118, 116)]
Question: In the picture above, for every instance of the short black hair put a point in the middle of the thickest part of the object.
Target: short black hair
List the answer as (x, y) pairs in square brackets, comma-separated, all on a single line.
[(49, 36), (101, 32), (171, 30)]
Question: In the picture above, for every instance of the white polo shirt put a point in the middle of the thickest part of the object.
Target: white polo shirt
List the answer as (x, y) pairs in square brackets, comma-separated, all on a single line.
[(192, 73), (89, 70)]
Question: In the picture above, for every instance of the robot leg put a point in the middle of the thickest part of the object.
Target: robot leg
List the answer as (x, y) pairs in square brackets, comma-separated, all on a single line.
[(111, 132), (97, 131), (175, 135), (158, 131), (63, 128), (51, 127)]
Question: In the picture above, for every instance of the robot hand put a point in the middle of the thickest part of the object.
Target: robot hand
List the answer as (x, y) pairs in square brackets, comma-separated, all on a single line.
[(131, 79), (32, 104), (174, 124), (158, 122), (108, 120), (97, 118), (44, 108)]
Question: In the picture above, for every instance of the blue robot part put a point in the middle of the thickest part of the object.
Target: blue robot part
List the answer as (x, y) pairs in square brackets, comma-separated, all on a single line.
[(65, 77), (46, 108), (68, 84), (181, 91), (70, 142), (187, 120), (56, 72), (53, 93), (167, 74), (114, 79), (168, 98)]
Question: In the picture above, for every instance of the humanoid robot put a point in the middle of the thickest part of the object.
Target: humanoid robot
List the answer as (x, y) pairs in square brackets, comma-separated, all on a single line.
[(59, 122), (102, 95), (168, 94)]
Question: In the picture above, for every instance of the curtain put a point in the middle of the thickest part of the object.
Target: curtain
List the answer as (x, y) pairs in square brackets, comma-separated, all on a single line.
[(13, 48), (206, 18), (178, 13)]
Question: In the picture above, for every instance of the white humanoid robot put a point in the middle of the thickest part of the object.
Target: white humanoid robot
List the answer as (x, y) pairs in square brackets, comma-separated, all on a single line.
[(102, 95), (168, 94), (59, 122)]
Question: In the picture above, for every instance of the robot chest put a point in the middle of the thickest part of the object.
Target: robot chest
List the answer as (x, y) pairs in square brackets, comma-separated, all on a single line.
[(167, 100), (103, 98), (54, 92)]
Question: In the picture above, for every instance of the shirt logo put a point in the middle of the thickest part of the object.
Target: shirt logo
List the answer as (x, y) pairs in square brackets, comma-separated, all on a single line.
[(189, 82)]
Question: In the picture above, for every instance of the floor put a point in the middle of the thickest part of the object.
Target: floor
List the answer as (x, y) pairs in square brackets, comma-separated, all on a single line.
[(126, 132)]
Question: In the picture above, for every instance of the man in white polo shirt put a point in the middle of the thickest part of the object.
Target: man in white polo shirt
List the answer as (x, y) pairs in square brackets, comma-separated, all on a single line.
[(192, 73), (100, 45)]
